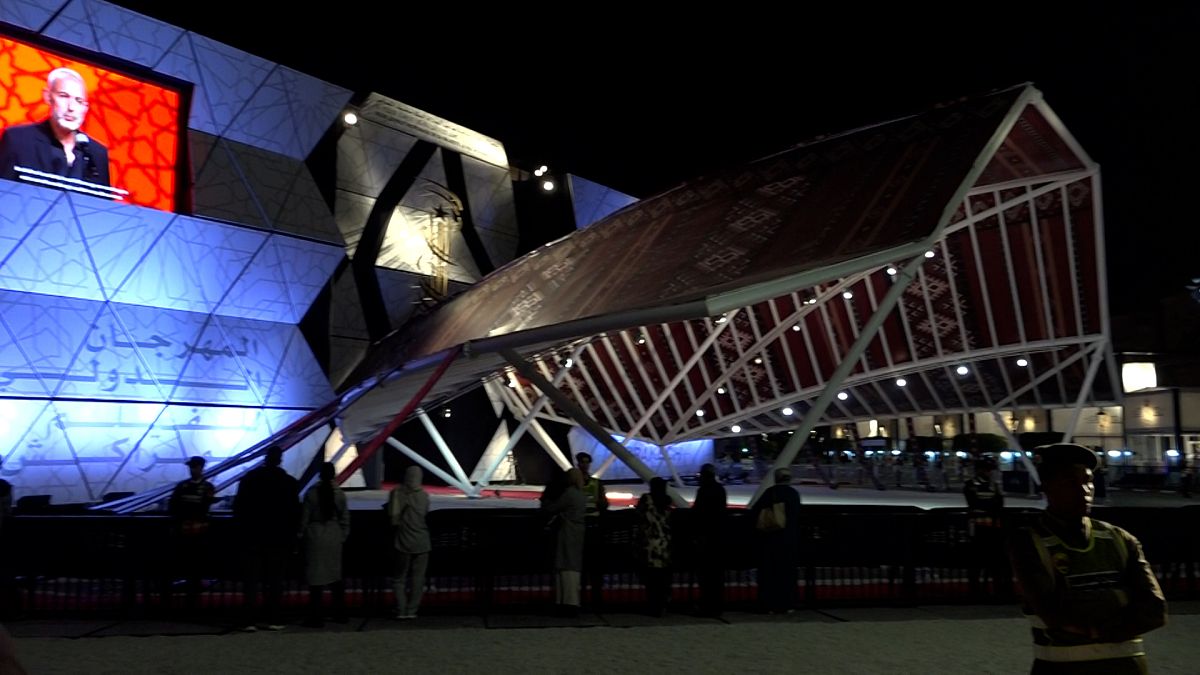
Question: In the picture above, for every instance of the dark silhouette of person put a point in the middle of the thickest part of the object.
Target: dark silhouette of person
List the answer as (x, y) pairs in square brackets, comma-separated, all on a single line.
[(188, 508), (985, 511), (56, 145), (266, 510), (779, 544), (708, 523)]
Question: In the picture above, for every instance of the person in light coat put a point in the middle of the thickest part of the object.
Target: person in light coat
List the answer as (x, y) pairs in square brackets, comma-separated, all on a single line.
[(324, 526), (408, 505)]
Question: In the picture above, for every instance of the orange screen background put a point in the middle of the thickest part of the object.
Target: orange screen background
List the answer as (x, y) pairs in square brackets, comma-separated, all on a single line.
[(137, 121)]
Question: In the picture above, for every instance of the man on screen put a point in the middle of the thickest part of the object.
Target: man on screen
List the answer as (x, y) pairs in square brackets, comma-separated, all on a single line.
[(56, 145)]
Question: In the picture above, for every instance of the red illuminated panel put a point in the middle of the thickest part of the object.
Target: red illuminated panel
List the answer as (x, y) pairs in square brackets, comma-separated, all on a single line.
[(137, 121)]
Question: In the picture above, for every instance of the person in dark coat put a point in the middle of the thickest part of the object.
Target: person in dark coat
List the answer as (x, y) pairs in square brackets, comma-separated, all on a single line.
[(188, 506), (568, 510), (779, 543), (56, 145), (324, 526), (708, 522), (267, 510)]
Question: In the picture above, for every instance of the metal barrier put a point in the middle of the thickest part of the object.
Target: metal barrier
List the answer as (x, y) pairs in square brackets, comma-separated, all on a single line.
[(500, 560)]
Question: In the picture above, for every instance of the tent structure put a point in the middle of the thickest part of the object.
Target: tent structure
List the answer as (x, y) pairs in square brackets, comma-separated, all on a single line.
[(948, 262)]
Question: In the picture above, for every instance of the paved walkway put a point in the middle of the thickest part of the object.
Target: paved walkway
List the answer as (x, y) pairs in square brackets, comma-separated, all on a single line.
[(943, 639)]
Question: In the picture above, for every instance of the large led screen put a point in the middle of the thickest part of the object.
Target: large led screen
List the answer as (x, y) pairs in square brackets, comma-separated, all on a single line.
[(91, 125)]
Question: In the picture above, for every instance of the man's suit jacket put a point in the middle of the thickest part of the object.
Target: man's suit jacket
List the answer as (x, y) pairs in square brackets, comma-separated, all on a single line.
[(34, 146)]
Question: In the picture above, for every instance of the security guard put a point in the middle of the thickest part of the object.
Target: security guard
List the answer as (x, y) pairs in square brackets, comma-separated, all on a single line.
[(1087, 588), (985, 506)]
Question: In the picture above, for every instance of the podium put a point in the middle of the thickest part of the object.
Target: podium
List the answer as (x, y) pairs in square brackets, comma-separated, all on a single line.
[(71, 184)]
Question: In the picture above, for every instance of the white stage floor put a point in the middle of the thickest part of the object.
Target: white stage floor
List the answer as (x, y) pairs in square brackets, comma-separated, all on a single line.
[(625, 496)]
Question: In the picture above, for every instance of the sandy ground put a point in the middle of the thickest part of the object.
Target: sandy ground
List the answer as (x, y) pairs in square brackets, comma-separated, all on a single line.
[(915, 640)]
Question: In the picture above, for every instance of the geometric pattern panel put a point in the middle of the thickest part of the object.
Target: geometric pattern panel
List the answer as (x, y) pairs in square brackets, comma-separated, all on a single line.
[(490, 195), (409, 246), (221, 189), (180, 62), (58, 347), (228, 78), (78, 451), (686, 457), (350, 212), (52, 258), (368, 155), (288, 113), (593, 201), (309, 267), (261, 291), (21, 207), (191, 266), (117, 236), (29, 14), (305, 211), (73, 26), (346, 313), (278, 362), (129, 35)]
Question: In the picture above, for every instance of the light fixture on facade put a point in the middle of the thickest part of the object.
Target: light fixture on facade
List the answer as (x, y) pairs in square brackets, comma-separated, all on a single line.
[(928, 254), (758, 360), (796, 328), (548, 185), (842, 396), (700, 413), (720, 390), (350, 118), (787, 411), (891, 271), (901, 382), (737, 429), (847, 295), (541, 171), (962, 370), (1022, 362), (446, 412)]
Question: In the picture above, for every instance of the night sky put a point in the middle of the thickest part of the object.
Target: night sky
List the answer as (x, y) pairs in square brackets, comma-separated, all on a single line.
[(642, 104)]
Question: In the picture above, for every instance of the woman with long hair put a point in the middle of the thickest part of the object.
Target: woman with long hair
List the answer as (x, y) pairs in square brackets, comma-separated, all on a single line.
[(324, 526)]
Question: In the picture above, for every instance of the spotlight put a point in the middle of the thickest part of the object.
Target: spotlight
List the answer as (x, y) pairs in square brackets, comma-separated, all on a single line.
[(548, 185), (758, 361), (1022, 362), (787, 411), (350, 118), (541, 171), (928, 254), (961, 370), (641, 341), (722, 319), (847, 295), (720, 390), (891, 271), (796, 328), (842, 396), (736, 428), (700, 413), (446, 412), (901, 382), (568, 362)]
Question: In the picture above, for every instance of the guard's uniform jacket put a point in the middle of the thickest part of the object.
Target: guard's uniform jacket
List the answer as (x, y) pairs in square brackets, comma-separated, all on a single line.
[(1088, 593)]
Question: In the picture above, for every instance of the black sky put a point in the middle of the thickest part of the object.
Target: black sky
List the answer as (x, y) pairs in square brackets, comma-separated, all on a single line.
[(642, 103)]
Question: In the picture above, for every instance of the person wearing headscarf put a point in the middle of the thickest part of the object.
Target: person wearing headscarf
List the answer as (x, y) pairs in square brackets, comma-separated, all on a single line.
[(708, 521), (408, 506), (569, 509)]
